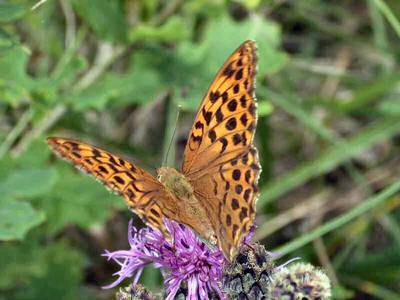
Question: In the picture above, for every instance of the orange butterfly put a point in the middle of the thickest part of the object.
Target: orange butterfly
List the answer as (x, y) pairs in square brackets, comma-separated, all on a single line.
[(216, 191)]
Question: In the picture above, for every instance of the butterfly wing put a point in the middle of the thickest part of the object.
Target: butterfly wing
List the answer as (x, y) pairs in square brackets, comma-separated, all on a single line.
[(220, 160), (143, 194)]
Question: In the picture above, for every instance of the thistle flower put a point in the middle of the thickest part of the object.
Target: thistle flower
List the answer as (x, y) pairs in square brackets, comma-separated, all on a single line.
[(299, 281), (248, 276), (185, 261), (192, 270), (134, 292)]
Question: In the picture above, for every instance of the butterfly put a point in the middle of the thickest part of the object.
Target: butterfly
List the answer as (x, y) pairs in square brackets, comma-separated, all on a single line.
[(216, 190)]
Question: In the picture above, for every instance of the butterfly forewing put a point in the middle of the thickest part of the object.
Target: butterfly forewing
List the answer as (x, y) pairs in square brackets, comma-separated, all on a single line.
[(143, 193), (227, 114), (220, 160)]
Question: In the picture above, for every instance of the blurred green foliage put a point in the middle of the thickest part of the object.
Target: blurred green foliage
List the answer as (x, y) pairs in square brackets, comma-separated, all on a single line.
[(114, 72)]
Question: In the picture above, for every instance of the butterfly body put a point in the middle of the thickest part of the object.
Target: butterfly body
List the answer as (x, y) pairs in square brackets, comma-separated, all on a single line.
[(215, 190), (189, 208), (175, 182)]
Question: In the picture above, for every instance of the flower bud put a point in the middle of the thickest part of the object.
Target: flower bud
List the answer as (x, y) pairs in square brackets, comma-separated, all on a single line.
[(248, 276), (134, 292), (299, 281)]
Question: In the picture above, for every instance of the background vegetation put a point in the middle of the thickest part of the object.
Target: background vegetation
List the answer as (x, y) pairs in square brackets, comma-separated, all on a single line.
[(113, 72)]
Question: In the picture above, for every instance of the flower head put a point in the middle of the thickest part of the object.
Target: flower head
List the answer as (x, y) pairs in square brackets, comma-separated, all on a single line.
[(183, 259), (299, 281), (248, 276)]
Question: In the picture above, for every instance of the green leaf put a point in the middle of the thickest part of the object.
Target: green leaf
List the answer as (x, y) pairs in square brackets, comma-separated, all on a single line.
[(187, 70), (28, 182), (7, 41), (36, 156), (34, 271), (13, 65), (62, 276), (174, 29), (14, 80), (78, 199), (10, 12), (138, 86), (266, 34), (106, 18), (17, 218), (19, 261), (202, 61)]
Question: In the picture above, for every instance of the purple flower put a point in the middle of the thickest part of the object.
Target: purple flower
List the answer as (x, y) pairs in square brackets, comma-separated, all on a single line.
[(184, 258)]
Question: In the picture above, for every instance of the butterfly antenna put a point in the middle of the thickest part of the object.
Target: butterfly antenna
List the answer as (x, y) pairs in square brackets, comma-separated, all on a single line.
[(173, 136)]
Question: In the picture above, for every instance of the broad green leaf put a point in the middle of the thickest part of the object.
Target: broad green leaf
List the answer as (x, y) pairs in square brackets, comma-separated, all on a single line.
[(28, 183), (61, 278), (17, 218), (174, 29), (36, 271), (19, 261), (36, 156), (77, 199), (13, 93), (7, 41), (222, 36), (265, 33), (10, 12), (14, 81), (139, 86), (106, 18), (187, 70)]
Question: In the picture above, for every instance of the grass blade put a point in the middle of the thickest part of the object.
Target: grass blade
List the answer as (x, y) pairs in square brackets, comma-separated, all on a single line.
[(329, 159), (387, 12), (357, 211)]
